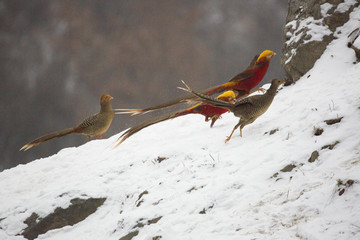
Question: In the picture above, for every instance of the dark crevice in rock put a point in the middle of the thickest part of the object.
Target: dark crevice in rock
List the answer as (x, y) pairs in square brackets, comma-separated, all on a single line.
[(79, 210)]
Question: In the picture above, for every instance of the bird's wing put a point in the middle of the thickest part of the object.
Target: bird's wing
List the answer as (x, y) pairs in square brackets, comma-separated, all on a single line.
[(245, 101), (90, 121), (242, 76)]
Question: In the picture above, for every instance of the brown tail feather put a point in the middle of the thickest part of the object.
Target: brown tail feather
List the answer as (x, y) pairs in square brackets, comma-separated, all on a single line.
[(143, 125), (47, 137), (207, 99)]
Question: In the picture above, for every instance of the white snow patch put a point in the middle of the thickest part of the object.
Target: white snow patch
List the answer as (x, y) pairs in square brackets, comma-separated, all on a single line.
[(324, 8), (308, 30), (345, 6)]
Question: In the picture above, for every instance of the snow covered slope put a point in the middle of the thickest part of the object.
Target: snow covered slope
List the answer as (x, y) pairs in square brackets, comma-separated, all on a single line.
[(260, 186)]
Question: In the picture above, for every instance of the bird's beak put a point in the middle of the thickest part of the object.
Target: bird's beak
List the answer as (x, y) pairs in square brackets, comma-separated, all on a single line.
[(111, 98), (268, 57)]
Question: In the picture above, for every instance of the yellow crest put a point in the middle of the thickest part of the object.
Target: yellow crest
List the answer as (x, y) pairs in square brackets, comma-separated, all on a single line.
[(265, 55), (227, 94)]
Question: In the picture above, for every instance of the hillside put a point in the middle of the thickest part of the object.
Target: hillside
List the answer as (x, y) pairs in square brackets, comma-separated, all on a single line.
[(179, 180)]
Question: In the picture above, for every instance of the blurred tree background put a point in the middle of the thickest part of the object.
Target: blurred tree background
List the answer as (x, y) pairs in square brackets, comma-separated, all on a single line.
[(58, 57)]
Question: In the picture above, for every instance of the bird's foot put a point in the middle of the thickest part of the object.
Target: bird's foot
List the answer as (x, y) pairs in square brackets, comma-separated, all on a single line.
[(263, 90)]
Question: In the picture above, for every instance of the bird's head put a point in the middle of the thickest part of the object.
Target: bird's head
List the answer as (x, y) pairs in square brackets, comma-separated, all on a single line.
[(277, 82), (105, 98), (228, 96), (265, 56)]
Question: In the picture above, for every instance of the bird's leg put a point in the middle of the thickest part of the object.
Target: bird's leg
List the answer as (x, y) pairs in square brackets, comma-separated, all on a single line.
[(236, 126), (89, 137), (99, 136), (258, 89), (214, 118)]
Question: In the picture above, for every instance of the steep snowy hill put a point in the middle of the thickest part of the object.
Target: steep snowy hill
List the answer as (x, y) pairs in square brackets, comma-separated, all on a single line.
[(179, 180)]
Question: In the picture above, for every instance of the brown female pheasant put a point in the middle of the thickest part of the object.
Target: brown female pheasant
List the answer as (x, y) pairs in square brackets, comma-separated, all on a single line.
[(92, 126)]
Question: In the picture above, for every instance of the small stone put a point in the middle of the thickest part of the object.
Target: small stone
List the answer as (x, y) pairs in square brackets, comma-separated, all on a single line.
[(341, 192), (160, 159), (130, 235), (288, 168), (314, 156), (333, 121), (318, 131), (330, 146)]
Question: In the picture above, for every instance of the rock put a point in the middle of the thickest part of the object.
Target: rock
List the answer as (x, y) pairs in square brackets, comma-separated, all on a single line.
[(288, 168), (140, 224), (330, 146), (344, 185), (79, 210), (302, 45), (130, 235), (318, 131), (140, 201), (160, 159), (314, 156), (333, 121)]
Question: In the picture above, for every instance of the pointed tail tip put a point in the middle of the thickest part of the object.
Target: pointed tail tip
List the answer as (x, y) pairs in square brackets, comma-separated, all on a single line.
[(118, 144), (25, 147)]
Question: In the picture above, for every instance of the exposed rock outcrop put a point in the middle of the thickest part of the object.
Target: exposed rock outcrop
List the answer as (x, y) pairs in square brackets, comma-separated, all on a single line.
[(76, 212), (310, 27)]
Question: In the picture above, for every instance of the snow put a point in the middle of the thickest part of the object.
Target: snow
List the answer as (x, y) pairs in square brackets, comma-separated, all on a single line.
[(234, 182), (324, 9), (307, 30), (345, 6)]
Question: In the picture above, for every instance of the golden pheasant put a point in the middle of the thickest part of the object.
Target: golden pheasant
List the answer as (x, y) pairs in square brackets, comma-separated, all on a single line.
[(210, 112), (247, 109), (241, 84), (92, 126)]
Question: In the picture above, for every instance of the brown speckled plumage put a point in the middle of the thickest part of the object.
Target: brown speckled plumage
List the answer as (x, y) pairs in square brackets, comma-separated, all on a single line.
[(92, 126), (247, 109)]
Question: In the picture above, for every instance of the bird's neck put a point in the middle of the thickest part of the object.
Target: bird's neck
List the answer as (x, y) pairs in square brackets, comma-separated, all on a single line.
[(105, 107), (272, 90)]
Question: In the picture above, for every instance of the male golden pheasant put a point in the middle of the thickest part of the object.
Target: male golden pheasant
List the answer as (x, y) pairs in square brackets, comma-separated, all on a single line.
[(92, 126), (241, 84), (210, 112), (247, 109)]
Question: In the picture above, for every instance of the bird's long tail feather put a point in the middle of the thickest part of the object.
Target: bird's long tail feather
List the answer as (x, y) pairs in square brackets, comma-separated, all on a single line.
[(207, 99), (131, 131), (47, 137), (187, 98)]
